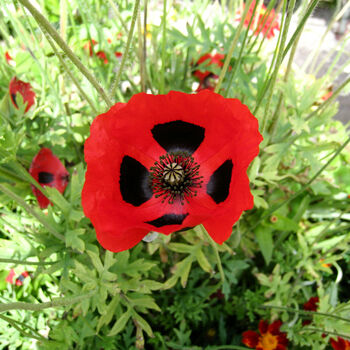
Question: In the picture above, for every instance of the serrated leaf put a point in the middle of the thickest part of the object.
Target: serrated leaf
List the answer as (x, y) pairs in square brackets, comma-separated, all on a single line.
[(106, 318), (96, 261), (73, 241), (144, 301)]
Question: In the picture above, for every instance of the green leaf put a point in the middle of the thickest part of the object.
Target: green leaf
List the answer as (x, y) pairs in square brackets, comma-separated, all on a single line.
[(143, 324), (72, 239), (264, 238), (106, 318), (181, 247), (120, 324), (203, 261)]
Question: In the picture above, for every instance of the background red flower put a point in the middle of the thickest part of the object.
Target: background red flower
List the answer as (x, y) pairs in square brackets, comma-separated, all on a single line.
[(25, 89), (214, 60), (48, 170)]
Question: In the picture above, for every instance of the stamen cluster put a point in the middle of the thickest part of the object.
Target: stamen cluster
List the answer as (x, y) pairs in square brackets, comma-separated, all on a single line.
[(175, 177)]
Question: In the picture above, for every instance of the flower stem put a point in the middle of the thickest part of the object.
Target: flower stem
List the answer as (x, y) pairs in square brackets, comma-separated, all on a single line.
[(42, 21), (304, 312), (162, 71), (215, 248), (56, 302), (14, 324), (68, 71), (233, 46), (310, 329), (124, 57), (39, 216), (23, 262)]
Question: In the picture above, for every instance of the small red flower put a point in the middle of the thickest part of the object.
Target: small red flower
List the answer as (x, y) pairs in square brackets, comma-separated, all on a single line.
[(48, 170), (212, 60), (9, 278), (118, 54), (8, 57), (270, 337), (311, 304), (340, 344), (25, 89), (166, 163), (265, 25), (102, 56)]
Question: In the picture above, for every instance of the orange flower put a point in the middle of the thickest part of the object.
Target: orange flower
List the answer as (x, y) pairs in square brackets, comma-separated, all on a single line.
[(270, 337), (340, 344)]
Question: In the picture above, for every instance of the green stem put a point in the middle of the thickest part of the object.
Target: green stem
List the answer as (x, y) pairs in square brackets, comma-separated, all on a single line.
[(238, 61), (124, 57), (40, 19), (233, 46), (162, 71), (310, 329), (278, 62), (115, 9), (303, 312), (140, 53), (330, 100), (39, 216), (23, 262), (304, 188), (68, 71), (300, 27), (56, 302), (276, 115), (215, 248), (15, 325)]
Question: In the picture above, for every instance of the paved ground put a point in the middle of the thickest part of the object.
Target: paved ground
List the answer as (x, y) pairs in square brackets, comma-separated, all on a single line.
[(313, 31)]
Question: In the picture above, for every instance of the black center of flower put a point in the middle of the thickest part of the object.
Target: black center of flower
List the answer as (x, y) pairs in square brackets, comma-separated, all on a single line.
[(175, 177)]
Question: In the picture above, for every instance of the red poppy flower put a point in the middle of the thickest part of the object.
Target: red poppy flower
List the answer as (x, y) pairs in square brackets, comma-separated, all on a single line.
[(166, 163), (48, 170), (311, 304), (8, 57), (118, 54), (9, 278), (340, 344), (212, 60), (25, 89), (265, 25), (270, 337)]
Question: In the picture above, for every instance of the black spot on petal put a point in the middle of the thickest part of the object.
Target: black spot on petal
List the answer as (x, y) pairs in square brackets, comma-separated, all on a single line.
[(219, 184), (14, 99), (178, 136), (168, 219), (45, 177), (133, 182)]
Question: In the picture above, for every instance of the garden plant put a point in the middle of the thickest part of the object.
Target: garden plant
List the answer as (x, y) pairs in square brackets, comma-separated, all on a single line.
[(171, 178)]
